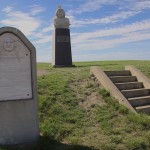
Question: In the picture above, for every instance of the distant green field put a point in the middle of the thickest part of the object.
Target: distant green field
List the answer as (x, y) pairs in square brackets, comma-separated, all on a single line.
[(143, 65), (77, 114)]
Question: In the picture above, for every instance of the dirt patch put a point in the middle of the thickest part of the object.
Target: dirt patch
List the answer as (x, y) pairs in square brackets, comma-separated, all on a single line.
[(86, 92), (92, 100), (41, 72)]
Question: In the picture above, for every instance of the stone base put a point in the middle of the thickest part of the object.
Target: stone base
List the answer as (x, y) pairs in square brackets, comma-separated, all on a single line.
[(62, 66)]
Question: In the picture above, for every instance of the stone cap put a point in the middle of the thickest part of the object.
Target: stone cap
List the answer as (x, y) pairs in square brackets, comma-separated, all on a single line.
[(60, 21)]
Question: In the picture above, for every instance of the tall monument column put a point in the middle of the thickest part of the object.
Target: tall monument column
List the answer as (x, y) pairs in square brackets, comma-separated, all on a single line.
[(61, 52)]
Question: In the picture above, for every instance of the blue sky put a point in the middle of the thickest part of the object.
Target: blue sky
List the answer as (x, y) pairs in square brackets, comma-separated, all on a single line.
[(100, 29)]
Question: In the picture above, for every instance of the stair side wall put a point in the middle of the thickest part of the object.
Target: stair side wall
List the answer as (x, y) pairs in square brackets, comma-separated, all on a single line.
[(140, 76), (110, 86)]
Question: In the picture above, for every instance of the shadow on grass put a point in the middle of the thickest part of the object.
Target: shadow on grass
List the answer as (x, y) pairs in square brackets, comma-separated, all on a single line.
[(45, 143)]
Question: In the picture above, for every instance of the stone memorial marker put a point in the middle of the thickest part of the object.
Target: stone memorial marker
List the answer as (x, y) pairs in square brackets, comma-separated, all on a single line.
[(18, 89), (61, 40)]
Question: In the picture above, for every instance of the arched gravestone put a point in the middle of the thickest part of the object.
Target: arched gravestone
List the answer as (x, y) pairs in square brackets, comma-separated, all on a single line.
[(18, 89), (61, 52)]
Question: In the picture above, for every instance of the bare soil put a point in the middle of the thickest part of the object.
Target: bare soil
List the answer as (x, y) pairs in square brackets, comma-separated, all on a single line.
[(87, 96), (92, 100), (41, 72)]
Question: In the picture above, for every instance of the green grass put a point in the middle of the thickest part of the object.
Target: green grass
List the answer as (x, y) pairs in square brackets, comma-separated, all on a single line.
[(70, 121)]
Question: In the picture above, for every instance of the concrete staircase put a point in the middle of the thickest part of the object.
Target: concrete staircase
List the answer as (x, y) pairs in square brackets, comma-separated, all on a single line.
[(132, 88)]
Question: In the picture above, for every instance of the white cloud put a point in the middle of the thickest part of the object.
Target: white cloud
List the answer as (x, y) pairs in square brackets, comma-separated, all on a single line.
[(43, 39), (140, 5), (126, 9), (127, 5), (7, 9), (35, 9), (44, 56), (108, 38), (113, 56), (138, 26), (108, 19), (48, 29), (91, 5), (21, 20)]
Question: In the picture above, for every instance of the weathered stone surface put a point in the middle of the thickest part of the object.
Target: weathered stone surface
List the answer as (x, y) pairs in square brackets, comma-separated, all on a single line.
[(15, 68), (18, 89)]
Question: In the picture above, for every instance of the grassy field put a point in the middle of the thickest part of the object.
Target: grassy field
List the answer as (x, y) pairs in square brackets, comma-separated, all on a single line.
[(77, 114)]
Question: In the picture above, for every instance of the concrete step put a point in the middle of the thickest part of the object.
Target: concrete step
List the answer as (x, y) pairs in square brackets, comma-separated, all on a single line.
[(122, 79), (139, 101), (143, 109), (118, 73), (129, 85), (136, 92)]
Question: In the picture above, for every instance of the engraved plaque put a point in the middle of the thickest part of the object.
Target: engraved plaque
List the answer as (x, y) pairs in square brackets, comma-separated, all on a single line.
[(62, 38), (15, 69)]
